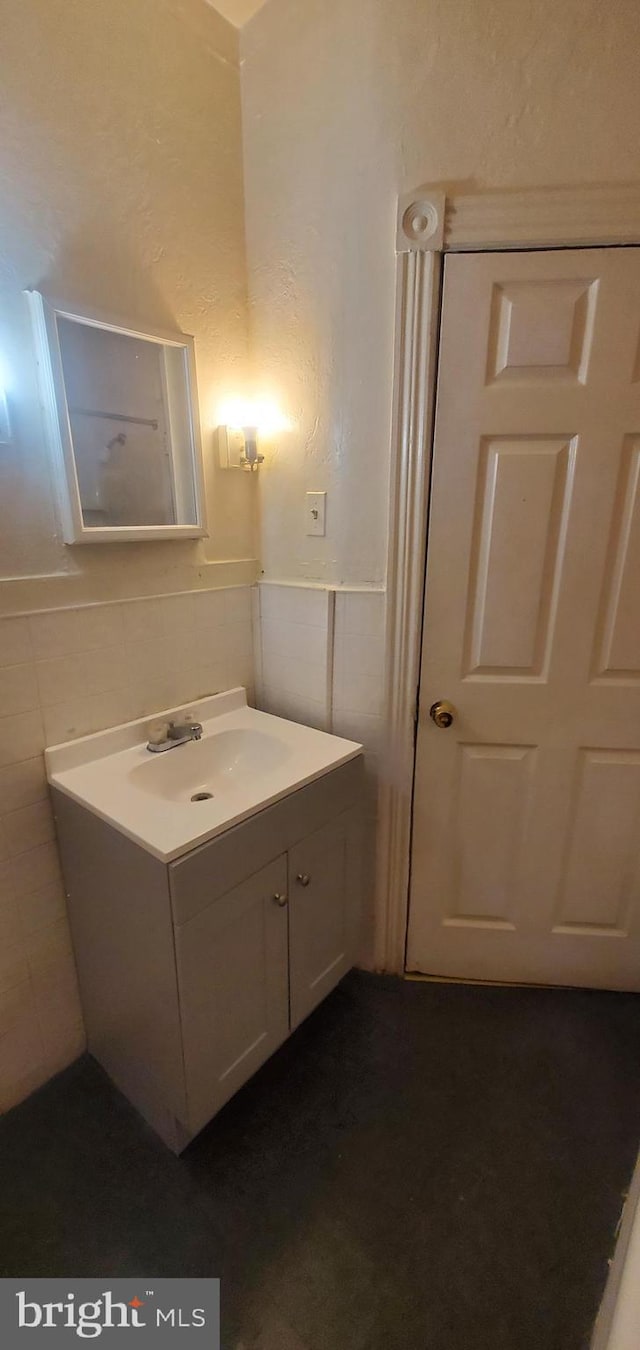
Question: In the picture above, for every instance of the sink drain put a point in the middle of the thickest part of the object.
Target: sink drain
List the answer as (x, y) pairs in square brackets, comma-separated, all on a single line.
[(202, 796)]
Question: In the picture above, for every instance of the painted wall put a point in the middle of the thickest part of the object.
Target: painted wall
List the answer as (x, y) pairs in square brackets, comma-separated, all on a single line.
[(345, 106), (120, 162)]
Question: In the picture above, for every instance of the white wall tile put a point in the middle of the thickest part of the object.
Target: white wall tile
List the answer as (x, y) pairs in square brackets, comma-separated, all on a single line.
[(144, 620), (178, 614), (22, 784), (63, 678), (238, 600), (256, 635), (13, 966), (15, 1003), (7, 889), (354, 691), (152, 693), (152, 657), (18, 690), (51, 960), (81, 716), (15, 642), (294, 604), (361, 727), (21, 1057), (27, 828), (21, 737), (98, 626), (54, 633), (210, 609), (11, 933), (358, 670), (39, 909), (295, 707), (295, 652), (238, 639), (360, 612), (210, 645), (33, 870)]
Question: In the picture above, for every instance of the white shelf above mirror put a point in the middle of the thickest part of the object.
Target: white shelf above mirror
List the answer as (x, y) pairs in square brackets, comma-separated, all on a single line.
[(121, 413)]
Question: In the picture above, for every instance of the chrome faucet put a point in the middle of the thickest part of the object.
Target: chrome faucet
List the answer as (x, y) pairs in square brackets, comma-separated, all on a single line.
[(173, 734)]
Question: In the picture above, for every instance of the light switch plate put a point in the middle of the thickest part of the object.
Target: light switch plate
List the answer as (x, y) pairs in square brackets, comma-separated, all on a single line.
[(315, 512)]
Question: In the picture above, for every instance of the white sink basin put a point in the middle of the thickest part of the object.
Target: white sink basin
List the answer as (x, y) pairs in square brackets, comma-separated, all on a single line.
[(170, 802), (217, 763)]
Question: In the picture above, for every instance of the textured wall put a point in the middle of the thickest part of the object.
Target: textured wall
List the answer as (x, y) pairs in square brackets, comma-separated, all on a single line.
[(344, 106), (120, 165)]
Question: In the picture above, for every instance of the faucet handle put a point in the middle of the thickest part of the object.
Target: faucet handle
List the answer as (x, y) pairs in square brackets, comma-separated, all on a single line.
[(157, 732)]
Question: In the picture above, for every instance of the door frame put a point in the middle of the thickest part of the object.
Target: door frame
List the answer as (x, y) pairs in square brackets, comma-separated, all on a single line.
[(430, 223)]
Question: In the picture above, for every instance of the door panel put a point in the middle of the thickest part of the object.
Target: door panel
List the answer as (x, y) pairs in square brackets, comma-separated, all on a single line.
[(324, 891), (232, 962), (526, 839), (619, 622), (599, 878), (524, 489), (492, 779)]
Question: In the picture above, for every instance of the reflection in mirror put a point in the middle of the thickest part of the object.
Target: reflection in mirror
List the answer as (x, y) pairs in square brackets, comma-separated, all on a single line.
[(128, 427)]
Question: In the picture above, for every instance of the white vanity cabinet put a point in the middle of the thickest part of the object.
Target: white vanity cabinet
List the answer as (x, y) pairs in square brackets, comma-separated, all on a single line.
[(193, 972)]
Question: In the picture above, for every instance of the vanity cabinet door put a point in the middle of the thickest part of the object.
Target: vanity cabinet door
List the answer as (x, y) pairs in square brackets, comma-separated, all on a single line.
[(233, 980), (324, 906)]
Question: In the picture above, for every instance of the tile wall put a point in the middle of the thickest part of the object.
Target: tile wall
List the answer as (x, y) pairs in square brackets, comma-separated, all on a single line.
[(295, 640), (65, 673)]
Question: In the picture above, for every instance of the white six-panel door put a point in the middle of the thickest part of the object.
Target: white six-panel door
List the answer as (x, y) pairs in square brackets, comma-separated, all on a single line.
[(526, 831)]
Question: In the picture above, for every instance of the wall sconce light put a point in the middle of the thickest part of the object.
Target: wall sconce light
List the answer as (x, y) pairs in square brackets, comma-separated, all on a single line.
[(240, 422), (238, 448)]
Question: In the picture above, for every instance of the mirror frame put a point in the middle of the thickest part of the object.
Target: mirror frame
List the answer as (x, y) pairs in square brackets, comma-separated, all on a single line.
[(44, 315)]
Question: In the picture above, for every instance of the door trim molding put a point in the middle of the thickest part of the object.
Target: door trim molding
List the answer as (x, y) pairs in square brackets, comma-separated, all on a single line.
[(430, 223), (562, 217), (417, 310)]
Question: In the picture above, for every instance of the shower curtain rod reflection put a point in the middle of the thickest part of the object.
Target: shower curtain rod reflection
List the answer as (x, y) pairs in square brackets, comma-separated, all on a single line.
[(117, 417)]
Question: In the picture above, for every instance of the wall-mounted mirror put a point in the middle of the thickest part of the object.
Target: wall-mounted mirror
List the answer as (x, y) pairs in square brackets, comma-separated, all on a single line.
[(122, 416)]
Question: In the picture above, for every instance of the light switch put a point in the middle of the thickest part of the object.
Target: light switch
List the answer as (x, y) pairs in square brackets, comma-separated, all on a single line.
[(315, 512)]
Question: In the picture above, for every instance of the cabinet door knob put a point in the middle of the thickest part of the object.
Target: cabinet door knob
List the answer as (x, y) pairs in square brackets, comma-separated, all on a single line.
[(280, 900), (303, 878)]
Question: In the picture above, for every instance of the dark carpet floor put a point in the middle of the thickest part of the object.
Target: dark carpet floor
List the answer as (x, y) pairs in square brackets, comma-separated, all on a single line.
[(421, 1167)]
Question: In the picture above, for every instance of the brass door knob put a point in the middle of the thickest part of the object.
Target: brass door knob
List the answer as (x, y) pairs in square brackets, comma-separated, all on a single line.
[(303, 878), (442, 713), (280, 900)]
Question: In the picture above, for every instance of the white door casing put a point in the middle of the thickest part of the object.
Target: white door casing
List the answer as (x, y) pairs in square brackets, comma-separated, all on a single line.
[(527, 810)]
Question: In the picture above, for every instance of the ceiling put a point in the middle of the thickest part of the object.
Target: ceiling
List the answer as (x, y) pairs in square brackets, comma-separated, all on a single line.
[(238, 12)]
